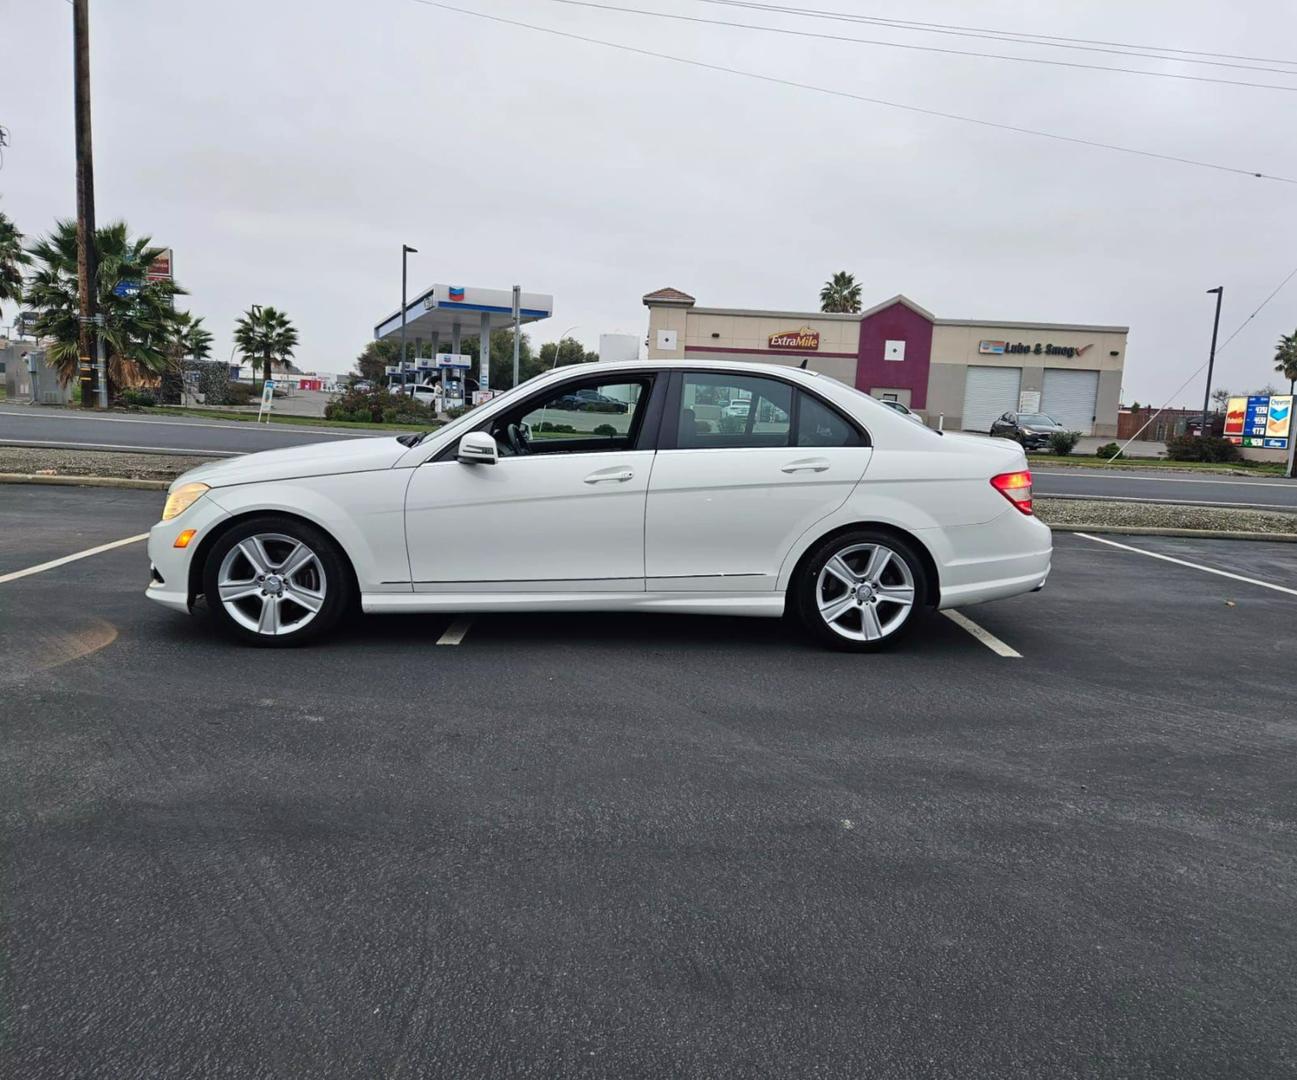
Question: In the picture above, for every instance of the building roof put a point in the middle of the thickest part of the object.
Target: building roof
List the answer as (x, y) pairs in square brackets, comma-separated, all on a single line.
[(675, 298), (668, 296)]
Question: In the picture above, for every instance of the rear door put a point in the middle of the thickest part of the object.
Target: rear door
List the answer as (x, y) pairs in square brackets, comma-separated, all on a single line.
[(730, 494)]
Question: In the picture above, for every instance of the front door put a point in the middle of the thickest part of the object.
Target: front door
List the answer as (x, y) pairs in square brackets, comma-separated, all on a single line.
[(747, 465), (562, 509)]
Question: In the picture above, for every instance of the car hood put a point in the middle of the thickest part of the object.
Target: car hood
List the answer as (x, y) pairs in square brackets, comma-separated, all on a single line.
[(315, 459)]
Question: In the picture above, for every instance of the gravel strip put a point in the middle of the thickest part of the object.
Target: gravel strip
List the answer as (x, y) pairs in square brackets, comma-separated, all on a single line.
[(21, 459), (1162, 516)]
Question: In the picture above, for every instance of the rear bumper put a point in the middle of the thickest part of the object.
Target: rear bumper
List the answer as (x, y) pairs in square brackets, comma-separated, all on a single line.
[(1004, 557)]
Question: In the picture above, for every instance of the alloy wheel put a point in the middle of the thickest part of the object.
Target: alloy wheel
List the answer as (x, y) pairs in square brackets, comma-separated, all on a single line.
[(865, 592), (271, 584)]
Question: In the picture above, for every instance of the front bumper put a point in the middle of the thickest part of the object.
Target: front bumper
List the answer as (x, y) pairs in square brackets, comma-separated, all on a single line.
[(169, 565)]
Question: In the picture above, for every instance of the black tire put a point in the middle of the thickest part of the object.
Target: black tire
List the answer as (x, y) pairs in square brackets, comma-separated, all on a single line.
[(903, 569), (325, 580)]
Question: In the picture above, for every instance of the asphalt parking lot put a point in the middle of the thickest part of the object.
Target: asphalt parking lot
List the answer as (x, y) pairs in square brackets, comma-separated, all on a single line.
[(623, 846)]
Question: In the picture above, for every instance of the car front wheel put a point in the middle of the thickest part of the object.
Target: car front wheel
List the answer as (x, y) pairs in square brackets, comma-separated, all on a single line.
[(275, 581), (860, 591)]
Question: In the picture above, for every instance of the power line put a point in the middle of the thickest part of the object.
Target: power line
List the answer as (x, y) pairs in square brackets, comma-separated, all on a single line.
[(777, 81), (1198, 370), (1184, 56), (783, 31)]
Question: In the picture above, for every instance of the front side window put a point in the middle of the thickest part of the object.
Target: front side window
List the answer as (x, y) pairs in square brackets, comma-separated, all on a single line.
[(588, 418), (728, 411)]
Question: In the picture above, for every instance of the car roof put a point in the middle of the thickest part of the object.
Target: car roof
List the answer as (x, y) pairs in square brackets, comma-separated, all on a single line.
[(737, 366)]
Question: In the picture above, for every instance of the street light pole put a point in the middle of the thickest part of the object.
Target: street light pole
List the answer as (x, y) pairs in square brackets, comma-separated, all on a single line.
[(405, 251), (1219, 290), (561, 336), (517, 326)]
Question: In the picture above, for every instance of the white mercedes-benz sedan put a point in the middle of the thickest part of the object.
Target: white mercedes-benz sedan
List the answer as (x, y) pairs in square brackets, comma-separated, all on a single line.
[(615, 487)]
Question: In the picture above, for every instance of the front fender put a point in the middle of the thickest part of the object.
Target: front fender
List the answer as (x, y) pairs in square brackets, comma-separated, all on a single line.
[(364, 512)]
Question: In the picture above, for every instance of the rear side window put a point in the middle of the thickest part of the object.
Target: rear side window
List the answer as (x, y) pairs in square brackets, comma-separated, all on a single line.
[(819, 425), (730, 411)]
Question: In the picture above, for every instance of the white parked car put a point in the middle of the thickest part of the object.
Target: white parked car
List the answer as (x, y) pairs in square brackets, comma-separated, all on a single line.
[(425, 395), (835, 509)]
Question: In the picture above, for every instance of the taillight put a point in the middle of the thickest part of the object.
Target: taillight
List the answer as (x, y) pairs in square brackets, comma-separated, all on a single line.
[(1016, 487)]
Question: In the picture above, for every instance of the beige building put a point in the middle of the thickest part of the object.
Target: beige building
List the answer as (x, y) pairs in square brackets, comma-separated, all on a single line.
[(961, 372)]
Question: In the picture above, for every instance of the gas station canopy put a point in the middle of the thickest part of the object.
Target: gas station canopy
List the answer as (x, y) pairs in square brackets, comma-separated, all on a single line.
[(445, 312)]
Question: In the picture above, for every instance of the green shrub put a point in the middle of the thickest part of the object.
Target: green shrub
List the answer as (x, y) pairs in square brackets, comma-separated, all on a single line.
[(458, 411), (732, 425), (606, 429), (237, 393), (703, 427), (142, 399), (1197, 448), (1063, 443), (379, 406), (1108, 450)]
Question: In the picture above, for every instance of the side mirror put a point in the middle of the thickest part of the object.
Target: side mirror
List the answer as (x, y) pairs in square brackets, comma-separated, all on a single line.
[(478, 448)]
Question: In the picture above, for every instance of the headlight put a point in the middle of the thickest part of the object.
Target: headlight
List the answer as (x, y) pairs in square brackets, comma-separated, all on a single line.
[(182, 499)]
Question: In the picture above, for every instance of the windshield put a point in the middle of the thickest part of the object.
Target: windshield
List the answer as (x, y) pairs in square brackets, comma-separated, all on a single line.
[(1037, 418)]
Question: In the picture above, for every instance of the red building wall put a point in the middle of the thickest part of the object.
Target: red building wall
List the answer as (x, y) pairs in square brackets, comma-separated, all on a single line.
[(895, 323)]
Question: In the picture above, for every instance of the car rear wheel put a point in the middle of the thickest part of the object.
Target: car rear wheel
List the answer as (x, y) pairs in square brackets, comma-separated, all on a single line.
[(860, 591), (275, 581)]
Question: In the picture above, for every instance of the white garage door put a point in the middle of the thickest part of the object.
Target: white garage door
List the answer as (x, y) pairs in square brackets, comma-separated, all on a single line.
[(1070, 398), (988, 393)]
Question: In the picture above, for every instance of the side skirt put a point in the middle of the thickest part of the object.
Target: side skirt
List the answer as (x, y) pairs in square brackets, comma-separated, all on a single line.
[(763, 605)]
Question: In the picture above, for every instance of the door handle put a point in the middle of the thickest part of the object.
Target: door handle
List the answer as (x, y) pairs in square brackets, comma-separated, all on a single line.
[(621, 475), (806, 465)]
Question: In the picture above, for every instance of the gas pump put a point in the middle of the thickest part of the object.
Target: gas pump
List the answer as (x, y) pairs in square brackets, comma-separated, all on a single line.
[(453, 367)]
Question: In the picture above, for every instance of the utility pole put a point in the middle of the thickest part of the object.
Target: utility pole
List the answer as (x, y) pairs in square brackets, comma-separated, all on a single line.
[(87, 262), (517, 324), (1219, 290)]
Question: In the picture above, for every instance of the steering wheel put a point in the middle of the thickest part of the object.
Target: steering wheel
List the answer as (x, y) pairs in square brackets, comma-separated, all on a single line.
[(518, 441)]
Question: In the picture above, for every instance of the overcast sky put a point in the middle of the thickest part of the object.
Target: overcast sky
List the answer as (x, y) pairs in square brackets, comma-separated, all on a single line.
[(285, 149)]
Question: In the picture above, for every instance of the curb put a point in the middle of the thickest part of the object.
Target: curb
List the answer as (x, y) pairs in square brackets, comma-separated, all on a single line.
[(1192, 534), (85, 481)]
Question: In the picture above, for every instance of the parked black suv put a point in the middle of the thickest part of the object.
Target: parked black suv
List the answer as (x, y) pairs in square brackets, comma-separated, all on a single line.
[(1031, 429)]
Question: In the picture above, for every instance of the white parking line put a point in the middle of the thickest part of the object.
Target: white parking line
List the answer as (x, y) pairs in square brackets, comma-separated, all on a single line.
[(71, 558), (984, 636), (1192, 566), (454, 632)]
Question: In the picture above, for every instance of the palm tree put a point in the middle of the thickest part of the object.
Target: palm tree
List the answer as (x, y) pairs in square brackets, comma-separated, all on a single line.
[(840, 293), (194, 339), (12, 259), (1285, 358), (140, 320), (265, 334)]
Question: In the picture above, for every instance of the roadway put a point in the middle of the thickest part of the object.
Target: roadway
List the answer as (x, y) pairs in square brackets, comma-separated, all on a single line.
[(1258, 493), (69, 429)]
